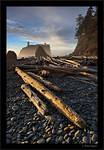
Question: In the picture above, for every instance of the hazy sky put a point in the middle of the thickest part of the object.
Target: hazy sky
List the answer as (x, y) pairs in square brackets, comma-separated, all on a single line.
[(52, 25)]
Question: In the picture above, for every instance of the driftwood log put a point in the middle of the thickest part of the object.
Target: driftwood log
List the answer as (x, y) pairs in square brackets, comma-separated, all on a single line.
[(60, 61), (57, 102), (50, 61), (92, 76), (45, 82), (88, 70), (34, 99), (69, 71), (72, 62), (59, 70)]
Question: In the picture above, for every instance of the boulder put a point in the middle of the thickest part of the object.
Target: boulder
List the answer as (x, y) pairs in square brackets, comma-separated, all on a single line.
[(11, 59)]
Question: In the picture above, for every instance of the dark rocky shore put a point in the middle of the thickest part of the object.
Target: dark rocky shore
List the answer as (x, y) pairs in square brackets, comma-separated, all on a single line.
[(25, 125)]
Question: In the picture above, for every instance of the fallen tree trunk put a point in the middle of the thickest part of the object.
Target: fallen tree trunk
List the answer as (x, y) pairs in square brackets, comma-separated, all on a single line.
[(60, 61), (88, 70), (57, 102), (59, 69), (34, 99), (50, 61), (93, 77), (45, 82), (70, 71), (72, 62), (27, 66)]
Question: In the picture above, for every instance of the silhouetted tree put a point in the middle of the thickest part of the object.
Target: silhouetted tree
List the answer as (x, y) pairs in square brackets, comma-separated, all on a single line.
[(84, 25)]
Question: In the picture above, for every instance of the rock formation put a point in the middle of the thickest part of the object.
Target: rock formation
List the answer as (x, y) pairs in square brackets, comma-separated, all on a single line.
[(11, 59), (87, 34), (32, 50)]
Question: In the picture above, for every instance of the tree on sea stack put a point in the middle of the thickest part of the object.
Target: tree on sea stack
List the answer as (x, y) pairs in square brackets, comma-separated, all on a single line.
[(11, 59)]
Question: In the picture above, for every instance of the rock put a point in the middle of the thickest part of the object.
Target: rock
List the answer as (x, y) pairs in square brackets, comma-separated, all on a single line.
[(11, 59), (65, 136), (61, 125), (33, 129), (59, 131), (15, 108), (8, 122), (48, 129), (34, 138), (26, 142), (53, 131), (77, 134), (60, 139), (41, 141), (29, 132), (48, 139), (30, 135), (12, 119), (8, 141), (71, 132), (84, 140), (94, 138), (67, 140)]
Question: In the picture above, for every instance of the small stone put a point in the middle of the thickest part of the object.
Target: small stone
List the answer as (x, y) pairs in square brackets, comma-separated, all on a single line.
[(48, 139), (25, 142), (61, 125), (8, 122), (8, 141), (53, 131), (65, 136), (60, 139), (29, 132), (91, 132), (77, 134), (63, 142), (59, 131), (30, 135), (84, 140), (34, 138), (94, 138), (67, 140), (41, 141), (48, 129), (71, 132), (15, 108), (24, 129), (12, 119), (33, 129)]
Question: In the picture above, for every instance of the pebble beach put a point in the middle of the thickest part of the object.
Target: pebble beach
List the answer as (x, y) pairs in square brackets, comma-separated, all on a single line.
[(26, 126)]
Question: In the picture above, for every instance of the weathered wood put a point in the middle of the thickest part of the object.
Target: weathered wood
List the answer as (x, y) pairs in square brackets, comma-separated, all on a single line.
[(60, 61), (72, 62), (50, 61), (57, 102), (88, 70), (45, 82), (92, 76), (27, 66), (59, 69), (34, 99)]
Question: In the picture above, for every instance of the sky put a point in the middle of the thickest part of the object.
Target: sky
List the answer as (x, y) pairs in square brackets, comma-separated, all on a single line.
[(39, 25)]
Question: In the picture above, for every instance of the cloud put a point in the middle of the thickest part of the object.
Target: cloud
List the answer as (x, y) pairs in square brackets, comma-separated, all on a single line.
[(53, 25)]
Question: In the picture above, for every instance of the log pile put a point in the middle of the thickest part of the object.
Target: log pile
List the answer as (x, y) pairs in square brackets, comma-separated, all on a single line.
[(65, 66), (57, 102)]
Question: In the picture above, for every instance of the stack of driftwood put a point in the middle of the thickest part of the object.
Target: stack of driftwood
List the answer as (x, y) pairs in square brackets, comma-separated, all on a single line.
[(35, 82), (65, 66)]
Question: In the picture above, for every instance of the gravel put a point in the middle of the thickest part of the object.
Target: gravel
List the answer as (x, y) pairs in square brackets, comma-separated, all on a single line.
[(25, 125)]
